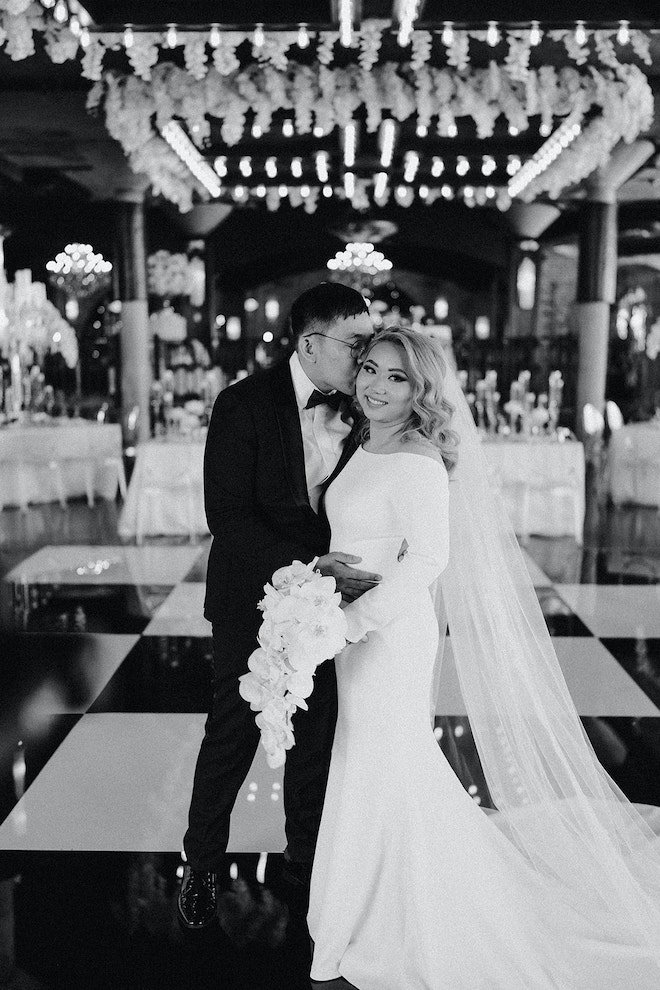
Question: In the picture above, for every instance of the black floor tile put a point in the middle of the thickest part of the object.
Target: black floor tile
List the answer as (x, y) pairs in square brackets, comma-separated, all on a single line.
[(108, 921), (99, 608), (161, 674)]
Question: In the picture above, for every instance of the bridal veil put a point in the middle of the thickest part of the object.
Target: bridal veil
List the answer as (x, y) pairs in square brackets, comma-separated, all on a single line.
[(555, 802)]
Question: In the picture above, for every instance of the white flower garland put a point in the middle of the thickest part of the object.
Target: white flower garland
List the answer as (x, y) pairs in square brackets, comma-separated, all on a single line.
[(303, 625), (136, 110)]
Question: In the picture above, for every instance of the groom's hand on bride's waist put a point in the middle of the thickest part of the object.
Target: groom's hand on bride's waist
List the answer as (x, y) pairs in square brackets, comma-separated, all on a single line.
[(350, 581)]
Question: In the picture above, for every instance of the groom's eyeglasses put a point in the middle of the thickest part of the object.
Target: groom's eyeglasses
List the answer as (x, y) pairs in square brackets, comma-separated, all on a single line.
[(357, 348)]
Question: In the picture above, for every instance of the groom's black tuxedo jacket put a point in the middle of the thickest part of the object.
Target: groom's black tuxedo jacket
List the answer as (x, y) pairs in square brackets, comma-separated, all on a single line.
[(255, 495)]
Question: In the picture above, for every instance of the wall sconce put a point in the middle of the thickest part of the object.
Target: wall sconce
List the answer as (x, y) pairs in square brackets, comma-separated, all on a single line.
[(482, 328), (272, 309), (526, 283), (71, 309), (234, 328)]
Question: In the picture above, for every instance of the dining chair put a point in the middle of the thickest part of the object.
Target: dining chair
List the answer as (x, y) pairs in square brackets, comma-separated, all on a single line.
[(55, 477), (571, 490), (178, 487)]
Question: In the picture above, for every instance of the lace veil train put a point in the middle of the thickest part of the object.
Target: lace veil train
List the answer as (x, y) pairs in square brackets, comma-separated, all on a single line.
[(556, 803)]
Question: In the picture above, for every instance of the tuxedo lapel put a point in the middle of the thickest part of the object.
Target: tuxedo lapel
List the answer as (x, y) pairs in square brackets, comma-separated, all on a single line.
[(290, 434), (349, 448)]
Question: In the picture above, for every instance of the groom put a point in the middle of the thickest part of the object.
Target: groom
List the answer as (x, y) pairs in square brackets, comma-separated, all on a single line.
[(274, 441)]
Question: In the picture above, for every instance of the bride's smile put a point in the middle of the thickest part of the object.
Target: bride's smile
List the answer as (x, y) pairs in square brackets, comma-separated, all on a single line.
[(383, 388)]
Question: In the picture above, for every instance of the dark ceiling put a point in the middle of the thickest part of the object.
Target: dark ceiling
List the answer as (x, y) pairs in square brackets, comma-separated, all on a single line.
[(59, 168)]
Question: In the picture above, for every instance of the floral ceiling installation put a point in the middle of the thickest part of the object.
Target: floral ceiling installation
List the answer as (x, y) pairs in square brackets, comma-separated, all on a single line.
[(614, 104), (438, 77)]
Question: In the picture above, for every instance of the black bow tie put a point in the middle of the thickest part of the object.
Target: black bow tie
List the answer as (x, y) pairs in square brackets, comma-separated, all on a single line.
[(318, 398)]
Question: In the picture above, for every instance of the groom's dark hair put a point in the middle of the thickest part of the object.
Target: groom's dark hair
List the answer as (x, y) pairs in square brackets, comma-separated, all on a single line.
[(324, 304)]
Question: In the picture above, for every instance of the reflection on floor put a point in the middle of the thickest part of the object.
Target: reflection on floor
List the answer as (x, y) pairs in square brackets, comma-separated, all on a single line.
[(105, 685)]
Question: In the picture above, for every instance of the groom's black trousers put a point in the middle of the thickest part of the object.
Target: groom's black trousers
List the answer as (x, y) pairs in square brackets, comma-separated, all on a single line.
[(230, 742)]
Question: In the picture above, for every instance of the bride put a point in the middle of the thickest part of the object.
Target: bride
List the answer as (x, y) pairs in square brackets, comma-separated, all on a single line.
[(414, 886)]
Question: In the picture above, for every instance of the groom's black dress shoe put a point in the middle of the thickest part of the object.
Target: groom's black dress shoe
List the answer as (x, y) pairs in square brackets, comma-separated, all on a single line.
[(197, 903)]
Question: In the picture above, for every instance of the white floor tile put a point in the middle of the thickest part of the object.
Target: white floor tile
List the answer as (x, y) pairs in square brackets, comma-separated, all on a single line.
[(615, 610), (597, 683), (182, 613), (122, 782), (106, 565)]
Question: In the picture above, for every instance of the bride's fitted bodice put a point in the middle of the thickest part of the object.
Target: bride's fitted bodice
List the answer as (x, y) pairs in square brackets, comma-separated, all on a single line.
[(392, 511)]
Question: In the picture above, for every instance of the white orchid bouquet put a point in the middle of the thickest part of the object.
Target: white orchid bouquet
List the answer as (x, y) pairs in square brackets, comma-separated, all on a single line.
[(303, 625)]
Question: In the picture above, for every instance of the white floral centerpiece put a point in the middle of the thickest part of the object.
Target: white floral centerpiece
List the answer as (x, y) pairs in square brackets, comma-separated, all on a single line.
[(303, 625)]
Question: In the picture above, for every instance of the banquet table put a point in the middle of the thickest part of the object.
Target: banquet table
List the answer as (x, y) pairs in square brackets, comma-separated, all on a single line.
[(634, 463), (40, 460), (165, 494), (544, 473)]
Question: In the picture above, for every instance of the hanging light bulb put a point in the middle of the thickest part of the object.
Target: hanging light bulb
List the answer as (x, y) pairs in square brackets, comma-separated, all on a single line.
[(171, 38), (85, 37), (492, 34), (129, 37), (220, 166), (350, 143), (303, 36), (535, 34), (380, 185), (462, 165), (322, 165), (580, 33), (245, 166), (452, 129), (256, 131), (448, 34), (346, 15), (387, 136), (623, 34), (296, 168), (349, 184), (287, 128), (258, 38), (271, 168), (437, 167), (411, 164), (74, 26), (214, 36)]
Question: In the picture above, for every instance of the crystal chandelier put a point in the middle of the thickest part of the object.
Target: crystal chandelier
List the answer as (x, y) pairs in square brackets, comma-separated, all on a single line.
[(360, 256)]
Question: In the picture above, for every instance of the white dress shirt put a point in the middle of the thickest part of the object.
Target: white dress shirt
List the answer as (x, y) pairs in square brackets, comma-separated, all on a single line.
[(323, 431)]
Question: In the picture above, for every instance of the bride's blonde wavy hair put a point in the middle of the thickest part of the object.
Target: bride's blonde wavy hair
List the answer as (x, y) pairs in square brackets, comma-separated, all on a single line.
[(431, 413)]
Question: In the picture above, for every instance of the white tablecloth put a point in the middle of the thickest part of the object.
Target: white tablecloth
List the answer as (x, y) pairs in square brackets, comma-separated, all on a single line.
[(166, 487), (544, 466), (26, 451), (634, 464)]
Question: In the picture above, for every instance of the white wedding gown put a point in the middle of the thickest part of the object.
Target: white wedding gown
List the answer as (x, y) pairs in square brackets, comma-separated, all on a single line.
[(414, 886)]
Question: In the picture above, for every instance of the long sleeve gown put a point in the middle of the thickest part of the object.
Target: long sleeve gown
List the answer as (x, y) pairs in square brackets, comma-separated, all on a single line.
[(414, 887)]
